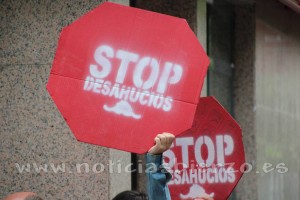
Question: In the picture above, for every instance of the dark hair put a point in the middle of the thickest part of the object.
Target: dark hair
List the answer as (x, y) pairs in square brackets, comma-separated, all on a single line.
[(33, 197), (131, 195)]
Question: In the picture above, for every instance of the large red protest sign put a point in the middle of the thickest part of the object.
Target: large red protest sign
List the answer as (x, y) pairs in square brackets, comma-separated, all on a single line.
[(121, 75), (208, 158)]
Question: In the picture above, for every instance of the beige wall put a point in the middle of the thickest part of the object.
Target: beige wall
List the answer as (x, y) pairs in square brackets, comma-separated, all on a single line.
[(277, 94)]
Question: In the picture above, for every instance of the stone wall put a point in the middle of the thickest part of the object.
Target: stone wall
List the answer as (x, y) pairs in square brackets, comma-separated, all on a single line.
[(32, 131), (244, 99)]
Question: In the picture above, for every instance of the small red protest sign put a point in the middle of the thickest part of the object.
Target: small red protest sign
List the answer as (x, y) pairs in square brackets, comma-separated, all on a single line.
[(209, 158), (121, 75)]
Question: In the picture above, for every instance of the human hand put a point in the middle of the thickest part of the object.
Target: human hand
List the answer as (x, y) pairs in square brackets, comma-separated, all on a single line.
[(162, 143)]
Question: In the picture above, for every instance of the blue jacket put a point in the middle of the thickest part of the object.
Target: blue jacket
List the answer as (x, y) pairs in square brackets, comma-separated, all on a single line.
[(157, 178)]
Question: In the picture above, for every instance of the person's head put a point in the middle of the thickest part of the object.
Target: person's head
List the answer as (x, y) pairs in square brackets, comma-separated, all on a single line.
[(131, 195), (23, 196)]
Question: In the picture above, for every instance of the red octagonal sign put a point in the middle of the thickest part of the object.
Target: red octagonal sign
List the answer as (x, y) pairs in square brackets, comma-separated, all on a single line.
[(208, 158), (122, 75)]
